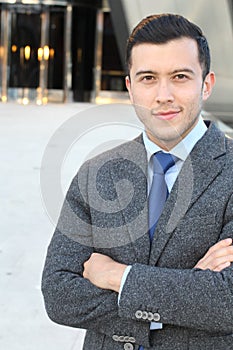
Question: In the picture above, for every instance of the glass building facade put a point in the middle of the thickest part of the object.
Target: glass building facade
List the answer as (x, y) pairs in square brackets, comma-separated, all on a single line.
[(55, 50)]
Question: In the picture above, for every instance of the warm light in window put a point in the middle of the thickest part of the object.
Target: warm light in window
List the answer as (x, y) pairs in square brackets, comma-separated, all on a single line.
[(40, 54), (27, 52), (44, 100), (1, 51), (51, 53), (46, 52), (4, 98), (25, 101), (13, 48)]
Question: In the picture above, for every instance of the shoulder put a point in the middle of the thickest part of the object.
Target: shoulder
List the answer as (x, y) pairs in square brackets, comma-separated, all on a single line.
[(127, 161), (124, 148), (216, 142), (133, 150), (229, 144)]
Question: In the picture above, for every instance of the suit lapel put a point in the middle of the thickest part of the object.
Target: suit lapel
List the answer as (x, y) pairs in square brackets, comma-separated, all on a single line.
[(199, 170), (133, 202)]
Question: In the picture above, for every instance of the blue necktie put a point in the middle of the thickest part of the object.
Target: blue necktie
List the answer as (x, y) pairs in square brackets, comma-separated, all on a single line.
[(159, 191)]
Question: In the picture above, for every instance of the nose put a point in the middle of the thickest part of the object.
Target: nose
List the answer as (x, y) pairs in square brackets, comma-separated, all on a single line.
[(164, 93)]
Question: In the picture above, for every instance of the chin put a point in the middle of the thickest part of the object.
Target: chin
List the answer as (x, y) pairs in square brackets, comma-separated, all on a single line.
[(167, 133)]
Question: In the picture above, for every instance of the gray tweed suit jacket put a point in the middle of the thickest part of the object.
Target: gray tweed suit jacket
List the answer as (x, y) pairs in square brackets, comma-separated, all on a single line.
[(106, 211)]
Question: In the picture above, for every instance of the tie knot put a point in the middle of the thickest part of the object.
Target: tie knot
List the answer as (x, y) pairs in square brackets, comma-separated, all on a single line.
[(162, 162)]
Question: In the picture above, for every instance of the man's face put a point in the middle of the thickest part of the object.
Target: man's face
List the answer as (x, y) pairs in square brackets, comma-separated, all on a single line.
[(167, 89)]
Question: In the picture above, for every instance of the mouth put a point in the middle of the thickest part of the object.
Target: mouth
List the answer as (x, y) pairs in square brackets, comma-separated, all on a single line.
[(166, 115)]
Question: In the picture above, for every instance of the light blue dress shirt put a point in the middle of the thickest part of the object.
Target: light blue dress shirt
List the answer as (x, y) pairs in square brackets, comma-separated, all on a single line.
[(181, 151)]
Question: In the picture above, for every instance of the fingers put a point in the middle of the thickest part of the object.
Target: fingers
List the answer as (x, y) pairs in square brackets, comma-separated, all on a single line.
[(103, 272), (218, 264), (221, 244), (218, 257), (222, 266)]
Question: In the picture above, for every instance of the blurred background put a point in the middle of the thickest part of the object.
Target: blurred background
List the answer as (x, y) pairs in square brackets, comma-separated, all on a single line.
[(61, 61), (59, 51)]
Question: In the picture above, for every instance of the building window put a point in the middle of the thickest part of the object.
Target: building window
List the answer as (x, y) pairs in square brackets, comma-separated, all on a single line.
[(113, 74)]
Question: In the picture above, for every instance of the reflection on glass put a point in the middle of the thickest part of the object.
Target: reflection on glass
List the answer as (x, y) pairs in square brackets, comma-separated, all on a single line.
[(25, 40), (27, 52)]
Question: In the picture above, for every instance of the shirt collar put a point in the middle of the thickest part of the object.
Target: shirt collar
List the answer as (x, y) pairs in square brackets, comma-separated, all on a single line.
[(184, 147)]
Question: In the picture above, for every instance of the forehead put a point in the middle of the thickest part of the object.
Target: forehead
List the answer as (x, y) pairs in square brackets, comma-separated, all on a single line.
[(178, 52)]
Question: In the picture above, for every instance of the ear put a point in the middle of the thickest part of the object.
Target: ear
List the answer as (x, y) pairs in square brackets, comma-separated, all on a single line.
[(208, 85), (128, 86), (127, 82)]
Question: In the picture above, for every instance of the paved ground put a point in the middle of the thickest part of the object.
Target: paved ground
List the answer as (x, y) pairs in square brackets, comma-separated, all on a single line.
[(26, 217)]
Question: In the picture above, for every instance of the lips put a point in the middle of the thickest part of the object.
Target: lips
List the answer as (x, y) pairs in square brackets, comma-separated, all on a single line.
[(166, 115)]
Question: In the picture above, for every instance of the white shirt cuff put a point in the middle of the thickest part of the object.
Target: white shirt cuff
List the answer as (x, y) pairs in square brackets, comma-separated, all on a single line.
[(123, 279)]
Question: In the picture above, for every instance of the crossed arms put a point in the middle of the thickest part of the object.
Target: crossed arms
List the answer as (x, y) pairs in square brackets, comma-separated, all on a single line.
[(81, 287), (105, 273), (92, 302), (208, 307)]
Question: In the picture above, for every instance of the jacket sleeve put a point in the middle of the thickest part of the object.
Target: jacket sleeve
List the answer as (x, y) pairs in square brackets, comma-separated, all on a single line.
[(193, 298), (70, 299)]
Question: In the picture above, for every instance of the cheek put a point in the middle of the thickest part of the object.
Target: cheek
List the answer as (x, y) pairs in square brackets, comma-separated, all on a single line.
[(142, 97), (192, 100), (142, 112)]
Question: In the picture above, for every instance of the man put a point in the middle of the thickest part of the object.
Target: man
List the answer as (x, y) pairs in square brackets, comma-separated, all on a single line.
[(166, 283)]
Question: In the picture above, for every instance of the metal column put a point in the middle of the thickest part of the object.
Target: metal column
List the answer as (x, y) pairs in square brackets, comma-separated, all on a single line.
[(4, 47)]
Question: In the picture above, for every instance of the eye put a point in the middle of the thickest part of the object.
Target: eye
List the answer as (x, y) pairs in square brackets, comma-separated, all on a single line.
[(148, 79), (180, 77)]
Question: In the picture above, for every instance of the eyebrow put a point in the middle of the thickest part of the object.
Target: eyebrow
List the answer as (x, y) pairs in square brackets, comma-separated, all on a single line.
[(180, 70)]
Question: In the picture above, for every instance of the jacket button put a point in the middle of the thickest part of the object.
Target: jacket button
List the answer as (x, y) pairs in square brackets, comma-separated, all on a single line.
[(132, 340), (144, 315), (138, 314), (156, 317), (150, 316), (128, 346), (115, 337)]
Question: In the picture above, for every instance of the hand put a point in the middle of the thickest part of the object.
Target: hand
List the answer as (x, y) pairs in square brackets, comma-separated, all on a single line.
[(218, 257), (104, 272)]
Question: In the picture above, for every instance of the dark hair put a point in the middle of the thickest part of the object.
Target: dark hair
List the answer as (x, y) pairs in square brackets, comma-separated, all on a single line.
[(159, 29)]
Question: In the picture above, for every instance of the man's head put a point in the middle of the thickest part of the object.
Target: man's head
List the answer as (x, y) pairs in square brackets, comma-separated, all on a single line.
[(169, 76), (160, 29)]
